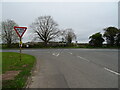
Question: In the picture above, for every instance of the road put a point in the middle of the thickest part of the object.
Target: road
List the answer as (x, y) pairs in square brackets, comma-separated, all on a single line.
[(74, 68)]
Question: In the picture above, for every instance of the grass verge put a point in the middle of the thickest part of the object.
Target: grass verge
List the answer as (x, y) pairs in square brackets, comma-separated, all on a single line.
[(11, 62)]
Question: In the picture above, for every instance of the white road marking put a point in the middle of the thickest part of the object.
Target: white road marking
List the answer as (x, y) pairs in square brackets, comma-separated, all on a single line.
[(33, 77), (70, 52), (112, 71), (55, 54), (58, 54), (83, 58)]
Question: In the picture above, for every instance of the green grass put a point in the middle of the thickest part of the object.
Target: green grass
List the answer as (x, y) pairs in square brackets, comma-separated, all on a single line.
[(11, 62)]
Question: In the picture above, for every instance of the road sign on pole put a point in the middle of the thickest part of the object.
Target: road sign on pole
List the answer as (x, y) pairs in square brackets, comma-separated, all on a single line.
[(20, 31)]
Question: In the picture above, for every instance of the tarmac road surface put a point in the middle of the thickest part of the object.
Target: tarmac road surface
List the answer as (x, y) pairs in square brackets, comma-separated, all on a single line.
[(74, 68)]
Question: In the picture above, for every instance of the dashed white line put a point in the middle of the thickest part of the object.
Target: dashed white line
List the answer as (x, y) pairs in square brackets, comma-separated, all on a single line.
[(55, 54), (83, 58), (70, 52), (111, 71), (58, 54), (33, 77)]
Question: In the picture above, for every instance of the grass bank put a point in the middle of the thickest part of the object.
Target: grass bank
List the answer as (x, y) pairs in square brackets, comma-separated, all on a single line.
[(11, 62)]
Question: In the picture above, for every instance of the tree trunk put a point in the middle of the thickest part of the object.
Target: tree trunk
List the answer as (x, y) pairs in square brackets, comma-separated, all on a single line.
[(45, 43), (112, 41), (9, 44)]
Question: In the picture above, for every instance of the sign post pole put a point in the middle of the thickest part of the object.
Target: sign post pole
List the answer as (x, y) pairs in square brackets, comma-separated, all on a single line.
[(20, 48), (20, 31)]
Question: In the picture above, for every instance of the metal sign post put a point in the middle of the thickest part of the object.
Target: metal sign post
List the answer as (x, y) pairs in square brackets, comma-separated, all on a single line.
[(20, 31), (20, 47)]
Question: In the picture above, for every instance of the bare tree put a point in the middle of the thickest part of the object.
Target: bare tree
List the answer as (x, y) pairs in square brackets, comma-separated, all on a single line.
[(45, 28), (9, 36), (68, 35)]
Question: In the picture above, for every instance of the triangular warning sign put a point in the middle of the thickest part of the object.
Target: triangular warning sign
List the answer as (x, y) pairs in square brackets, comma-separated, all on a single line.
[(20, 30)]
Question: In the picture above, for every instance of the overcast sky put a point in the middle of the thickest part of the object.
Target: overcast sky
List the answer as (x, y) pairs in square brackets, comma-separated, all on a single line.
[(85, 18)]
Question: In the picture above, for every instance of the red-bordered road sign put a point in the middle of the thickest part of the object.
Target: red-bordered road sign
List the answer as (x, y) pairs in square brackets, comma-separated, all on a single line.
[(20, 30)]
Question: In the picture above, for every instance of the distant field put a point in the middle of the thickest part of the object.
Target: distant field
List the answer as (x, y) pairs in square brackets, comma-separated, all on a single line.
[(11, 63)]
